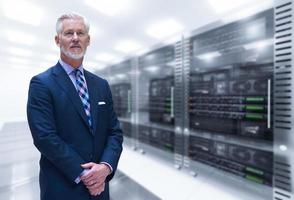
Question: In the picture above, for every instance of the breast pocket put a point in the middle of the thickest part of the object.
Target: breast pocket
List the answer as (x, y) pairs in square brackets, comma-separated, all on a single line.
[(102, 110), (102, 118)]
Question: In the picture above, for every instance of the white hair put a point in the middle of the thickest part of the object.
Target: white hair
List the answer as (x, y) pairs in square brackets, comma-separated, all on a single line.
[(71, 15)]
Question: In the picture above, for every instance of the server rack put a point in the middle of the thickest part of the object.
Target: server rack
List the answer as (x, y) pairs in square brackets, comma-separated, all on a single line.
[(229, 103), (155, 126), (121, 81)]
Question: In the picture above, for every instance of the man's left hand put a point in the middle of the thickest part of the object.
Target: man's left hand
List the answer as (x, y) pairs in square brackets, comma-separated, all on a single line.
[(96, 175)]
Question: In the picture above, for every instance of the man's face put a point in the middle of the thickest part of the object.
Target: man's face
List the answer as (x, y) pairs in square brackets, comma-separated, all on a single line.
[(73, 39)]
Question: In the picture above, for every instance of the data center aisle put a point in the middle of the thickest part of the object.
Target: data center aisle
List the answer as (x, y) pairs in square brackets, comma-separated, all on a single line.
[(19, 169)]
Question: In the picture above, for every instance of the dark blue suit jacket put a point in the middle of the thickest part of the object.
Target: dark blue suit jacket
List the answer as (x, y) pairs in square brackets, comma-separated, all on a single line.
[(61, 133)]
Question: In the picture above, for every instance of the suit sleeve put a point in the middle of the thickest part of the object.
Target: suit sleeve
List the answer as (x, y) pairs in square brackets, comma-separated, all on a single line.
[(113, 147), (40, 114)]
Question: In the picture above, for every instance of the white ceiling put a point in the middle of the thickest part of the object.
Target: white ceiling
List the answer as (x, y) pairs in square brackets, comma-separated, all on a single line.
[(26, 46)]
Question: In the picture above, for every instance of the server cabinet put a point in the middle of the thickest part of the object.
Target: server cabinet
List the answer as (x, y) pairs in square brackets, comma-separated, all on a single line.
[(230, 104), (283, 100), (155, 126), (121, 79)]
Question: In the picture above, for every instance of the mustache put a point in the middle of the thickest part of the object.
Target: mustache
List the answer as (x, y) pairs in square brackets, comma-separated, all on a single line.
[(75, 46)]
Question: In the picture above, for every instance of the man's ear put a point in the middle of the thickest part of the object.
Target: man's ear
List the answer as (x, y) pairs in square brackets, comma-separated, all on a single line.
[(89, 40), (57, 40)]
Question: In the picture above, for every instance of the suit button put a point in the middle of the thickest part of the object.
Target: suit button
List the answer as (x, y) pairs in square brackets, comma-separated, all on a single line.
[(91, 156)]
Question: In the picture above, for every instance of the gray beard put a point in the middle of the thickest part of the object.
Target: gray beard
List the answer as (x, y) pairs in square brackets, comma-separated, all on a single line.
[(72, 55)]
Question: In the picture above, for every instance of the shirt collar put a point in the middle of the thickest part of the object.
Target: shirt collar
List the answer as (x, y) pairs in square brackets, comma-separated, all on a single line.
[(68, 68)]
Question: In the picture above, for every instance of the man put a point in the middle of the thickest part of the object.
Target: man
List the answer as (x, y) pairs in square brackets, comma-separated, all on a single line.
[(72, 121)]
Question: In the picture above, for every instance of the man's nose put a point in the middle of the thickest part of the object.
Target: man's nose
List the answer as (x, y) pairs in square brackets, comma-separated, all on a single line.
[(75, 36)]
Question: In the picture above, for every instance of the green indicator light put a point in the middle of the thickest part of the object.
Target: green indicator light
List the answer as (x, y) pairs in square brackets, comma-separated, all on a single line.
[(253, 116), (254, 107), (168, 146), (255, 179), (254, 99), (255, 171)]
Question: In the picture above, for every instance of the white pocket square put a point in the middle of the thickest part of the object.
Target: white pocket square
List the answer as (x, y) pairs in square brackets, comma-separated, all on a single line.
[(101, 103)]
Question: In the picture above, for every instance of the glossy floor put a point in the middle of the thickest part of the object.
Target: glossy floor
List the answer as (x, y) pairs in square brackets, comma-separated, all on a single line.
[(19, 169)]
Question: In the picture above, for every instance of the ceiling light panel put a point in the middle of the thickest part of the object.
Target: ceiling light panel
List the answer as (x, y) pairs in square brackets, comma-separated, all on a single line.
[(164, 29), (111, 7), (22, 11)]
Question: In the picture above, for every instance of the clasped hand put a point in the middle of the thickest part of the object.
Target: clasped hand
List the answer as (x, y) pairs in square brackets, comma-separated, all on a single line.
[(94, 178)]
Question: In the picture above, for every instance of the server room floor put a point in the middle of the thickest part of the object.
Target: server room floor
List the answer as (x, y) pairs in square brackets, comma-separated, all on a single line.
[(139, 176)]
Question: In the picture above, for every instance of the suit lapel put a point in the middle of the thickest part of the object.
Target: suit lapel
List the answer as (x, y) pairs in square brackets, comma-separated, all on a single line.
[(93, 93), (66, 84)]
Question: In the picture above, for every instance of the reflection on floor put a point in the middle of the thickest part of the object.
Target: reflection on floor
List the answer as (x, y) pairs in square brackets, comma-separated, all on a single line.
[(124, 188), (18, 163), (19, 169)]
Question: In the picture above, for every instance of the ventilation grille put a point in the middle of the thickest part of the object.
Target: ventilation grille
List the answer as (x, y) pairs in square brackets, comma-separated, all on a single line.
[(282, 181), (178, 104), (186, 73), (178, 72), (283, 66), (283, 94)]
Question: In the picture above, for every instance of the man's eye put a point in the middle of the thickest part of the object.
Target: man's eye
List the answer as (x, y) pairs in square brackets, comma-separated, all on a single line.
[(81, 33), (68, 33)]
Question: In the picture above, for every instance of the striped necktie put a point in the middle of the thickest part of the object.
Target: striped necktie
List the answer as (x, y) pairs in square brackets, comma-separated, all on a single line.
[(83, 93)]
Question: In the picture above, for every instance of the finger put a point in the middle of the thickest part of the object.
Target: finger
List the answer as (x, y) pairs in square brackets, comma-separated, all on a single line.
[(94, 192), (96, 186), (101, 188), (88, 176), (90, 182), (92, 186), (88, 165), (92, 175), (98, 190)]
